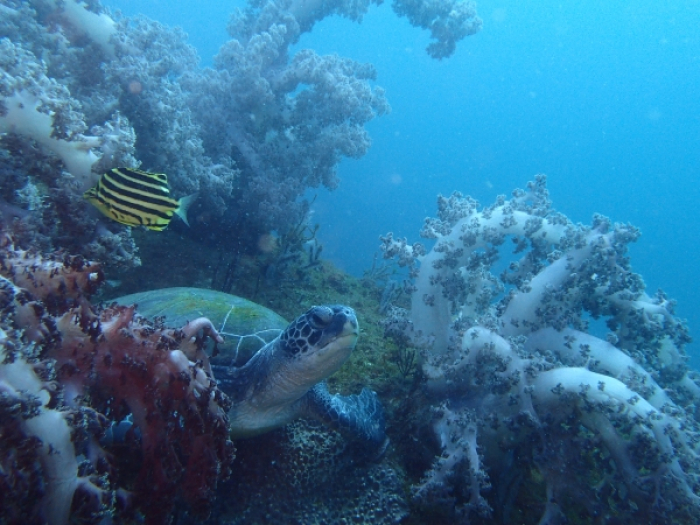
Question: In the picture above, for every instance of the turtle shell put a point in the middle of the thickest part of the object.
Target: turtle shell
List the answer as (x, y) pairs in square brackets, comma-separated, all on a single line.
[(245, 325)]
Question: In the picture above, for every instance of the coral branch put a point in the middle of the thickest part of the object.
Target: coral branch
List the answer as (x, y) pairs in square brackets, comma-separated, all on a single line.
[(515, 356), (84, 368), (49, 278)]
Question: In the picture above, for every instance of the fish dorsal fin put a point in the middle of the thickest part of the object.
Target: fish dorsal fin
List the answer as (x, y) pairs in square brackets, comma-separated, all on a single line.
[(159, 180), (160, 177)]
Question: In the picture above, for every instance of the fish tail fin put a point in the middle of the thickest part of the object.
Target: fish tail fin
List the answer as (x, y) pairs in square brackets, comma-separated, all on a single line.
[(185, 204)]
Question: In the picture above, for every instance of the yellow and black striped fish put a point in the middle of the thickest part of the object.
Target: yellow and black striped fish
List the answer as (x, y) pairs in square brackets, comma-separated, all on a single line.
[(137, 198)]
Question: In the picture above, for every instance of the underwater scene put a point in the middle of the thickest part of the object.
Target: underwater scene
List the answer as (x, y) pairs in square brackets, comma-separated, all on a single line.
[(349, 262)]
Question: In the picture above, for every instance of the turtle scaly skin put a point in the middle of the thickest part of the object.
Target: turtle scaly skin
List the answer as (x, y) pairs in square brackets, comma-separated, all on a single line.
[(283, 380)]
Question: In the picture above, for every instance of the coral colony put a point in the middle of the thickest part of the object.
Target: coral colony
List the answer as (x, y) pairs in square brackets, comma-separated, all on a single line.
[(68, 371), (82, 92), (508, 307)]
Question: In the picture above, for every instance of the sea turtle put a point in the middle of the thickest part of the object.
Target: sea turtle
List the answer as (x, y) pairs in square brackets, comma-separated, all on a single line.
[(284, 380)]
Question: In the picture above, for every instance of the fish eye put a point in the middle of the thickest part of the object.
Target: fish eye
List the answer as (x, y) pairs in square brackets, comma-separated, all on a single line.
[(320, 316)]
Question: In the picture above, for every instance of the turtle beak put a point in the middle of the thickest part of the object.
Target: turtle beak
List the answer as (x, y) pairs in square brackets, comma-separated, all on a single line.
[(350, 331), (351, 327), (351, 322), (344, 324)]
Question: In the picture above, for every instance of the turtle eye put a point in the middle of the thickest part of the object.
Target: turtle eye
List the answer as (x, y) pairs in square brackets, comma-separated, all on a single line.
[(320, 316)]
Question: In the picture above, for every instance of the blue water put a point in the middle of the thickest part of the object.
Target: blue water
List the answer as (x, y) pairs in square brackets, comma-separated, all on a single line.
[(601, 96)]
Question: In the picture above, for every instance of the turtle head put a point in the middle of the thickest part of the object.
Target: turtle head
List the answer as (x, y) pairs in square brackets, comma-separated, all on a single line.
[(273, 388), (322, 339)]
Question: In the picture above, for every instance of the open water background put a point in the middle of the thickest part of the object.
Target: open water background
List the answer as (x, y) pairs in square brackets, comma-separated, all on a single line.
[(601, 96)]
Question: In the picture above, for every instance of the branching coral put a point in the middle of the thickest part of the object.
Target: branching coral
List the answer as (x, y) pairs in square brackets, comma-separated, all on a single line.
[(146, 75), (82, 92), (449, 21), (67, 370), (82, 21), (520, 367), (50, 148), (38, 108), (286, 122), (76, 89), (56, 278)]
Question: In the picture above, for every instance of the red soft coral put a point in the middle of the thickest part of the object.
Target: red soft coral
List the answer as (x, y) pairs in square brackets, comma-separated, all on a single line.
[(90, 366)]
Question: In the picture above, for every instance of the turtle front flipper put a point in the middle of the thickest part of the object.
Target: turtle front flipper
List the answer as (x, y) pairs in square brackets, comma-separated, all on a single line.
[(359, 417)]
